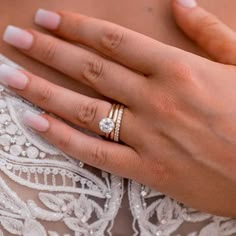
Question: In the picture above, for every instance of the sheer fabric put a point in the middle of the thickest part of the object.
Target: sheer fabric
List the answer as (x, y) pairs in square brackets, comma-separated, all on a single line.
[(45, 192)]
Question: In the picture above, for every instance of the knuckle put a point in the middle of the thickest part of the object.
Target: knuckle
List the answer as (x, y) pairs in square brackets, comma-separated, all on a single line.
[(99, 156), (64, 141), (48, 52), (93, 69), (182, 71), (209, 21), (85, 113), (112, 38), (206, 30), (45, 94)]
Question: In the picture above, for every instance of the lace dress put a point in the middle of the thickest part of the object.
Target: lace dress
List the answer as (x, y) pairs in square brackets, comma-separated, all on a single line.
[(45, 192)]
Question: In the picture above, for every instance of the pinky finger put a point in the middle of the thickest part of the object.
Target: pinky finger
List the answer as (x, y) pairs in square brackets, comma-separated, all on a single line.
[(111, 157)]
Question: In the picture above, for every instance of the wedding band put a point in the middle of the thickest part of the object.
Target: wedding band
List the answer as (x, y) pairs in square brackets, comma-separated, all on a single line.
[(118, 124), (115, 116), (111, 125)]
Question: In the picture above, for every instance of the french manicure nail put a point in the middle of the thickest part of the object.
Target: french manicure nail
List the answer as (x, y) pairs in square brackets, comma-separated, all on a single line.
[(18, 37), (47, 19), (187, 3), (35, 121), (12, 77)]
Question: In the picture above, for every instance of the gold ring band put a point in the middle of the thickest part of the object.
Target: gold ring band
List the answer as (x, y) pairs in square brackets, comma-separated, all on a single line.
[(118, 124), (115, 116), (112, 124), (110, 117)]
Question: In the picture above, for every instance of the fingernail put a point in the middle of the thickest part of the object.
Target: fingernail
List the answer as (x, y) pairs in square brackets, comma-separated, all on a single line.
[(35, 121), (47, 19), (18, 37), (187, 3), (12, 77)]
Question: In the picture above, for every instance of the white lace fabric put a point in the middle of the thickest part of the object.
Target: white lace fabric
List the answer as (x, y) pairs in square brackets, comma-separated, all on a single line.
[(45, 192)]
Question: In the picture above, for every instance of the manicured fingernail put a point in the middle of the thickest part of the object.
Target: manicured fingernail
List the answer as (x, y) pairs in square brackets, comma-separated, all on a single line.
[(47, 19), (18, 37), (12, 77), (187, 3), (35, 121)]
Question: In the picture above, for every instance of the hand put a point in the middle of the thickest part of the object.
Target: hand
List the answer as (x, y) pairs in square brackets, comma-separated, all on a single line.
[(179, 124)]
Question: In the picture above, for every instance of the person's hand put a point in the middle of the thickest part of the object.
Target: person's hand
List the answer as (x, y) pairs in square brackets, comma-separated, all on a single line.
[(179, 124)]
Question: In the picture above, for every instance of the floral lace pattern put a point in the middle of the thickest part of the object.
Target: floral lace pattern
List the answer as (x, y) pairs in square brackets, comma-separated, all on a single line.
[(67, 192), (158, 215)]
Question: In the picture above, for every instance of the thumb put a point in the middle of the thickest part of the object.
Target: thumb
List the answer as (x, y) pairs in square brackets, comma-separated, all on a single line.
[(217, 39)]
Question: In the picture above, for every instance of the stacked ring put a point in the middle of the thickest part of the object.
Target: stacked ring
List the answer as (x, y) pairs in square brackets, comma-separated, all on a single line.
[(118, 124), (112, 124)]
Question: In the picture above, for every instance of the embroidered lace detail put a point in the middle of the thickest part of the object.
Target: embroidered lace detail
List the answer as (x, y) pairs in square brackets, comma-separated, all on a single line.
[(66, 191), (158, 215), (64, 197)]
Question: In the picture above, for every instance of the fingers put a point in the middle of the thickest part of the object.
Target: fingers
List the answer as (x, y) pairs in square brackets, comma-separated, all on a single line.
[(106, 77), (81, 110), (111, 157), (217, 39), (127, 47)]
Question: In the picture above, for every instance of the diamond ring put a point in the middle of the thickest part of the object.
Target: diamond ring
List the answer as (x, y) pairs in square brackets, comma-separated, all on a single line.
[(107, 125), (111, 125)]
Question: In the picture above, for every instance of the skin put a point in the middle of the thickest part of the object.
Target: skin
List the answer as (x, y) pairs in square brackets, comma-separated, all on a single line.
[(180, 134), (154, 20)]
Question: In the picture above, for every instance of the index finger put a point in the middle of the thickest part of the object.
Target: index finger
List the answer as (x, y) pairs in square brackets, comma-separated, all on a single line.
[(123, 45)]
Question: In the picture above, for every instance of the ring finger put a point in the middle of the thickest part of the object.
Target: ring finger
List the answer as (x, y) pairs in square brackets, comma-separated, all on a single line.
[(76, 108)]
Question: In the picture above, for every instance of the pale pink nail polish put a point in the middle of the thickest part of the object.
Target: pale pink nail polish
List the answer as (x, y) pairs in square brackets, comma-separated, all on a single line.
[(12, 77), (35, 121), (187, 3), (18, 37), (47, 19)]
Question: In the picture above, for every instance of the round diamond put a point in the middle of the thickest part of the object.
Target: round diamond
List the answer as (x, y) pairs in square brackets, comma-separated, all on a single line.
[(106, 125)]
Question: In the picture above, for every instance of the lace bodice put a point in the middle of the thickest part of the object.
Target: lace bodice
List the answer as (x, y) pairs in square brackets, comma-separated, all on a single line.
[(45, 192)]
